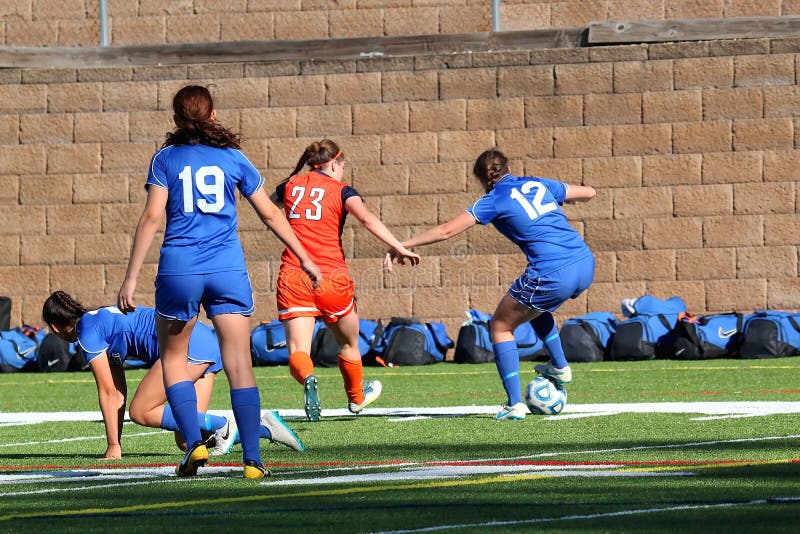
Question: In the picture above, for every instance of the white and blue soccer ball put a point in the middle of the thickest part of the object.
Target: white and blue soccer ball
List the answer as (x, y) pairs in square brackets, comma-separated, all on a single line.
[(544, 397)]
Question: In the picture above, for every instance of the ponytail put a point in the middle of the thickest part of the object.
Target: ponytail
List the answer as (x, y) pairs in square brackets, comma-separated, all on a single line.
[(317, 154), (490, 167)]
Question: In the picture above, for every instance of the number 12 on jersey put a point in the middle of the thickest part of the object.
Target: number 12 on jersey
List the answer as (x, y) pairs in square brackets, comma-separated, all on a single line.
[(536, 207)]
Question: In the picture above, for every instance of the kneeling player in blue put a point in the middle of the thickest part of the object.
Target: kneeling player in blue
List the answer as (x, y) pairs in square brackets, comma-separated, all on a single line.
[(109, 338), (527, 211)]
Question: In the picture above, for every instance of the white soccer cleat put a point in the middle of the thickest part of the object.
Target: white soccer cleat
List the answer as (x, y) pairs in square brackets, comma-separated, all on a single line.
[(561, 376), (280, 431), (225, 437), (372, 390), (512, 413)]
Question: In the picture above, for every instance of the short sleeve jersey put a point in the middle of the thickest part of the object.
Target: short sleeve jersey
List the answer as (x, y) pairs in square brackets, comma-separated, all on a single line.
[(527, 210), (120, 336), (202, 181), (314, 205)]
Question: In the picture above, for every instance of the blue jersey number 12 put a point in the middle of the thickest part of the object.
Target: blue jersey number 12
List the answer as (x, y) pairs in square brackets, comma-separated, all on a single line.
[(536, 207), (215, 188)]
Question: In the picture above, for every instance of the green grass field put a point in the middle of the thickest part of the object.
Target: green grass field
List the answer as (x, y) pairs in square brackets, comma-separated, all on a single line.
[(648, 446)]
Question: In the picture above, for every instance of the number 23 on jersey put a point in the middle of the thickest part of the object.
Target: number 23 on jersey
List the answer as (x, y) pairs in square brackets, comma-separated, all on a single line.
[(315, 196)]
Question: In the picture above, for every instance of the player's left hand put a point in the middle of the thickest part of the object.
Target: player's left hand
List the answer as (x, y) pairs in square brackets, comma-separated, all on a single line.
[(400, 255)]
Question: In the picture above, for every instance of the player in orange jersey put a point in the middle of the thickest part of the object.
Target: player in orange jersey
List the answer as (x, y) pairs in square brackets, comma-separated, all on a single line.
[(316, 204)]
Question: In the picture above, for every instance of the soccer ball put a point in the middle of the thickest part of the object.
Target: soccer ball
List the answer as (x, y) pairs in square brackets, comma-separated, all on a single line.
[(544, 397)]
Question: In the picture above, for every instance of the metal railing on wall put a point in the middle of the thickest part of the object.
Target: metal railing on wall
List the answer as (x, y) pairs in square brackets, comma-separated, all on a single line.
[(104, 33)]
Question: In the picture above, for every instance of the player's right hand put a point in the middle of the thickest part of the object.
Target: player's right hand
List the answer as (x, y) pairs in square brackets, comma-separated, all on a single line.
[(113, 452), (313, 272), (125, 296)]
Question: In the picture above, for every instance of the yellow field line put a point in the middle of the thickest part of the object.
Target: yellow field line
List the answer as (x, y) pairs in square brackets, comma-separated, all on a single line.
[(254, 498), (712, 465)]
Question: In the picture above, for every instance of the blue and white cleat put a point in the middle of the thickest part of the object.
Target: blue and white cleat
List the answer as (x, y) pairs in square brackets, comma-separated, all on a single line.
[(372, 390), (280, 431), (312, 406), (561, 376), (226, 437), (512, 413)]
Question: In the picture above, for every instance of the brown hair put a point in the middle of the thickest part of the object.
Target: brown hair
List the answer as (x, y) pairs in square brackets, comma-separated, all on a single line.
[(62, 310), (192, 107), (490, 167), (318, 154)]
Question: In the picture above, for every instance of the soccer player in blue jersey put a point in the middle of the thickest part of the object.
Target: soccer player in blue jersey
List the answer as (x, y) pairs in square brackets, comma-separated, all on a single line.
[(108, 338), (527, 211), (194, 179)]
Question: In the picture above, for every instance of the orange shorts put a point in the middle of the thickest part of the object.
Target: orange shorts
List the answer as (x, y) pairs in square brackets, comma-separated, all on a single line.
[(332, 299)]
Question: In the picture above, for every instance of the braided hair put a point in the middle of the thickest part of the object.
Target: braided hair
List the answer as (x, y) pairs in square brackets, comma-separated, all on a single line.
[(490, 167), (60, 309)]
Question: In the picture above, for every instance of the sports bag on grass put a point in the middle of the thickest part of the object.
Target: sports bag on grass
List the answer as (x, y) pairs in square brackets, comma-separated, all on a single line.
[(18, 348), (325, 349), (648, 333), (55, 354), (5, 313), (474, 343), (770, 334), (268, 344), (409, 341), (587, 338), (707, 337)]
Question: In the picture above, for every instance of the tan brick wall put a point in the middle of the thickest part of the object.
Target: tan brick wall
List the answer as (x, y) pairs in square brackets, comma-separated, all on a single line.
[(694, 158), (135, 22)]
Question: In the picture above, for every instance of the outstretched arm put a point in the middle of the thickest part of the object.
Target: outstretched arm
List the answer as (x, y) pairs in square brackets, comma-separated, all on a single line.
[(444, 231), (272, 216), (355, 207), (112, 391), (579, 193), (146, 229)]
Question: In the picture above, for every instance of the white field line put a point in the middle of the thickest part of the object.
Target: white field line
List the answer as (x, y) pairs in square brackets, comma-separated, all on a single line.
[(80, 438), (99, 486), (576, 517), (705, 408)]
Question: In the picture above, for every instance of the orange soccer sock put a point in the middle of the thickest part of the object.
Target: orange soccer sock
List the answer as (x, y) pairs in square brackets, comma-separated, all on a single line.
[(300, 365), (353, 379)]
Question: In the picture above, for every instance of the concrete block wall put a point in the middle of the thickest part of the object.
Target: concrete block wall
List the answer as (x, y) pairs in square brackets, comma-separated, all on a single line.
[(692, 148), (133, 22)]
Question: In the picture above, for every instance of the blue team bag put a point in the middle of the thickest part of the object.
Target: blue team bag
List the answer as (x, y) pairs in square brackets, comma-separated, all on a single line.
[(587, 338), (409, 341), (770, 334), (474, 343), (18, 348), (709, 336), (649, 332), (268, 344)]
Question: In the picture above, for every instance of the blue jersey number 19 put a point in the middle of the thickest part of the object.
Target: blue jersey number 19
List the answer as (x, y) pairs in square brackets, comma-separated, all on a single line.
[(215, 188), (536, 207)]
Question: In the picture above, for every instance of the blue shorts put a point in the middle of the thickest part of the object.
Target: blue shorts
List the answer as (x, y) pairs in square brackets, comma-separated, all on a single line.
[(204, 348), (548, 292), (179, 296)]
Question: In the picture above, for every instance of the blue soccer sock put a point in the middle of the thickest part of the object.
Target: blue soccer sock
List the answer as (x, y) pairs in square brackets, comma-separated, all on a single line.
[(545, 327), (246, 404), (183, 407), (207, 422), (506, 357)]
